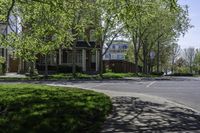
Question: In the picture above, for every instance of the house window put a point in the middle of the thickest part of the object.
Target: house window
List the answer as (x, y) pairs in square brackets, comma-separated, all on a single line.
[(79, 57), (113, 47), (66, 56), (125, 47), (93, 58), (53, 59), (107, 56), (69, 56)]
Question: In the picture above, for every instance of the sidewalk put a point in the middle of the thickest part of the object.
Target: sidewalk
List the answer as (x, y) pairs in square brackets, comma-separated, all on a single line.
[(140, 113), (13, 75)]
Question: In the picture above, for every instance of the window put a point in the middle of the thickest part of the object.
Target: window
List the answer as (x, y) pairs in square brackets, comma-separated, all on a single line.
[(125, 47), (113, 56), (69, 56), (113, 47), (93, 58), (53, 58), (66, 56), (107, 56), (78, 57)]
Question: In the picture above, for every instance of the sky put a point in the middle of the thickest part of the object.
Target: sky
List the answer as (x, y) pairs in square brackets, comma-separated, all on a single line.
[(192, 37)]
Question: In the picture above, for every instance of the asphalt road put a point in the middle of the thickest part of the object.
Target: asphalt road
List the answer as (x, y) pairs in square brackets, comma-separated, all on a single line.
[(180, 90)]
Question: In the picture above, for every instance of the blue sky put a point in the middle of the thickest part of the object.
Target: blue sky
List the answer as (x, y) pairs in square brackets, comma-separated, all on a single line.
[(192, 37)]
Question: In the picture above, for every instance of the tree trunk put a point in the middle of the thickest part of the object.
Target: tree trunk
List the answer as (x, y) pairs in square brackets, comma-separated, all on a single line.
[(74, 61), (136, 63), (32, 67), (158, 57), (172, 67), (101, 61), (46, 67), (190, 68), (144, 59)]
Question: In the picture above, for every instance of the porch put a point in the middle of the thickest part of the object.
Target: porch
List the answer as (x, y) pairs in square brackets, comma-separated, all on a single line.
[(61, 61)]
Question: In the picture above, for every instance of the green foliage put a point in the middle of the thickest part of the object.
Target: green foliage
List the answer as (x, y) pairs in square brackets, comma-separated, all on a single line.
[(2, 65), (181, 74), (40, 108), (183, 69), (2, 60)]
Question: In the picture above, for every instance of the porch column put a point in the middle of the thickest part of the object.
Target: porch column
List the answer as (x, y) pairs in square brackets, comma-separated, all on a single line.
[(83, 60), (4, 52), (7, 59), (60, 57), (97, 60)]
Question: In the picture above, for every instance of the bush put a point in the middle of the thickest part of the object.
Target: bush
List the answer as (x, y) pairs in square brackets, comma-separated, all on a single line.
[(181, 74), (2, 69), (2, 65), (44, 109), (157, 73)]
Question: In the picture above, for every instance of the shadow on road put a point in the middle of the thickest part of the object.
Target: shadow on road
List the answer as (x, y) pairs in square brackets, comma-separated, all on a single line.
[(133, 115)]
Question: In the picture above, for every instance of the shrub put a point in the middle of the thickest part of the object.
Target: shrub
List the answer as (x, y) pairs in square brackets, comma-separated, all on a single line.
[(45, 109), (2, 66), (181, 74), (157, 73)]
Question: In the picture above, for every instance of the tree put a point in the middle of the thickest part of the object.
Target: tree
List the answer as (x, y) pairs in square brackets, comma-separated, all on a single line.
[(47, 26), (176, 49), (189, 57), (150, 24), (197, 61), (108, 26)]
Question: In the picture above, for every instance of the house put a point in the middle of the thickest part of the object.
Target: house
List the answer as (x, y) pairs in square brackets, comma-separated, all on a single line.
[(12, 63), (87, 59), (116, 51), (3, 50)]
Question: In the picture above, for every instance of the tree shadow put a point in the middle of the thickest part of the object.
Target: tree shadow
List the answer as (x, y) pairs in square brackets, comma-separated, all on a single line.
[(130, 114)]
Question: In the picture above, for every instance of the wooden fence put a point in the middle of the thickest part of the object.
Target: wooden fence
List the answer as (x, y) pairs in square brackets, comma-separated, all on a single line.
[(119, 66)]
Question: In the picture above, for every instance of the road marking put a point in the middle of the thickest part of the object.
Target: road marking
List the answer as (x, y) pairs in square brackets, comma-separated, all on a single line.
[(101, 84), (149, 85)]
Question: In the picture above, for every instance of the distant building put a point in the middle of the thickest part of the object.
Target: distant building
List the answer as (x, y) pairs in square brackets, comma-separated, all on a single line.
[(116, 51)]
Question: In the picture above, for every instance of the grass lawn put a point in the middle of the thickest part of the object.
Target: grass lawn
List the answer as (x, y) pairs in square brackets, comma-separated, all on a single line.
[(108, 75), (28, 108), (68, 76)]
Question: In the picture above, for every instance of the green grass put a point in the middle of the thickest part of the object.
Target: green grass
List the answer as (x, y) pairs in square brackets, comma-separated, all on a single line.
[(68, 76), (108, 75), (28, 108)]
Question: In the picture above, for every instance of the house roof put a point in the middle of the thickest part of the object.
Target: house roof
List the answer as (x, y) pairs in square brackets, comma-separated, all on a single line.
[(85, 44)]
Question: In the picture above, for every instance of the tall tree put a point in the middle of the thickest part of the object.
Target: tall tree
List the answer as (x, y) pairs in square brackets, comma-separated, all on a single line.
[(189, 57), (176, 49)]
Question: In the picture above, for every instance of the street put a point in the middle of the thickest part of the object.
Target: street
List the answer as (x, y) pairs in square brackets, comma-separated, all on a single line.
[(185, 91)]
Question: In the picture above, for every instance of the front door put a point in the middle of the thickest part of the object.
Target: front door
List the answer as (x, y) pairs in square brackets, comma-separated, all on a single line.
[(13, 64), (88, 60)]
